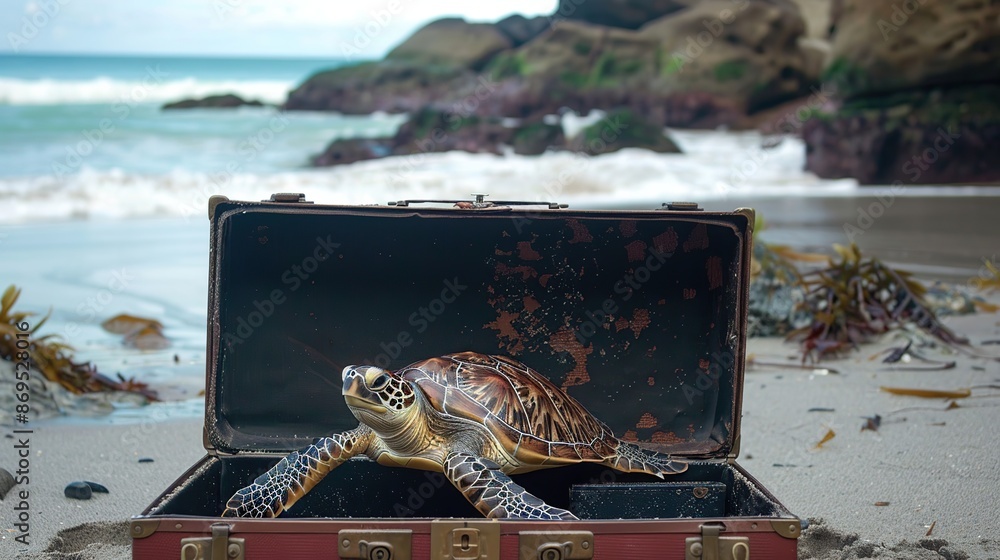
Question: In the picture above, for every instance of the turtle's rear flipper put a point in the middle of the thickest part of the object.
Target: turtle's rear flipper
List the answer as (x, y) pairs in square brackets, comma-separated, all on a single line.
[(493, 493), (632, 458), (281, 486)]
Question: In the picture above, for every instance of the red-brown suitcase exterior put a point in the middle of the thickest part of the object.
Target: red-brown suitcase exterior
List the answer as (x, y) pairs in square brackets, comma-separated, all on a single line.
[(640, 315)]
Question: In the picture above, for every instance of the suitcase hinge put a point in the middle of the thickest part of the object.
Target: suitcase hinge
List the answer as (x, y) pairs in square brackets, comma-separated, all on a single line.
[(751, 215), (556, 545), (711, 546), (142, 528), (214, 201), (789, 528), (217, 547), (465, 540), (375, 544), (734, 452)]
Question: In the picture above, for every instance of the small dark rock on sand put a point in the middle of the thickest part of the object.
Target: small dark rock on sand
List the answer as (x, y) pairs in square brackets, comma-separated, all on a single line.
[(6, 482), (99, 488), (78, 491), (145, 459)]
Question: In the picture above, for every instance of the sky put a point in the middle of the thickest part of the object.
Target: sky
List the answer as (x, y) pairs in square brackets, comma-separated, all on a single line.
[(287, 28)]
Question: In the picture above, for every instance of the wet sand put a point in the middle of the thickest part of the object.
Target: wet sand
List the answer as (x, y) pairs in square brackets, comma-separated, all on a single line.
[(940, 238)]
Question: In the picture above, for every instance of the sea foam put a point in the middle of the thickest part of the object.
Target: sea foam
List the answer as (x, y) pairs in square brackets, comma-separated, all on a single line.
[(152, 88), (715, 166)]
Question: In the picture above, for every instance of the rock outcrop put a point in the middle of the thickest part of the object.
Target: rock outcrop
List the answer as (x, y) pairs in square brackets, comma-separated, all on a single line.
[(622, 129), (678, 63), (883, 46), (628, 14), (452, 42), (536, 138), (748, 52), (350, 150), (575, 65), (701, 67), (817, 15), (431, 130), (919, 100), (917, 137), (519, 29), (225, 101), (390, 86)]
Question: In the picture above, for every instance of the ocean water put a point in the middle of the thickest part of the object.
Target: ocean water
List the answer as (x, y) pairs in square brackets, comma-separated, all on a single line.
[(84, 137), (63, 117)]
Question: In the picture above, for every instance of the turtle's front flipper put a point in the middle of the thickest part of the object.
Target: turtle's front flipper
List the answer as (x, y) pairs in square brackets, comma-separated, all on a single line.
[(632, 458), (279, 488), (493, 493)]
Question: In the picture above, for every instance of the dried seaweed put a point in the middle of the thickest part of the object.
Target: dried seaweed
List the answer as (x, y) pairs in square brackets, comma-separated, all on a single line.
[(897, 354), (906, 353), (855, 299), (872, 423), (53, 358), (991, 281), (830, 434), (777, 261), (775, 293), (928, 393), (140, 333)]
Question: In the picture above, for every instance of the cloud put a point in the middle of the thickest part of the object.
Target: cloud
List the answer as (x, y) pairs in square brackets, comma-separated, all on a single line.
[(308, 13)]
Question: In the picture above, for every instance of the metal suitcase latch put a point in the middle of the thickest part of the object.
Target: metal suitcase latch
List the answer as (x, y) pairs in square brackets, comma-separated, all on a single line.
[(217, 547), (681, 206), (556, 545), (711, 546), (289, 198), (375, 544), (465, 540)]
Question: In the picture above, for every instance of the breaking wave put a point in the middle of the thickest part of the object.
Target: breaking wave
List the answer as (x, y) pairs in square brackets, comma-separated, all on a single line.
[(629, 178), (153, 87)]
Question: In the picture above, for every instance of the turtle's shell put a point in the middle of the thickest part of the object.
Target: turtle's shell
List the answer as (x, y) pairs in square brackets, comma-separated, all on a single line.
[(533, 419)]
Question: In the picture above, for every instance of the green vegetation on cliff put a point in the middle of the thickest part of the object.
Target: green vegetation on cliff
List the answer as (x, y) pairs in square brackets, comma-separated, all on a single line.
[(607, 71), (730, 70), (508, 65), (845, 77), (948, 107), (622, 128)]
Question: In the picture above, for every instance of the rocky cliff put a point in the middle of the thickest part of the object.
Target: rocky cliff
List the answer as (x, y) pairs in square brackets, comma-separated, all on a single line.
[(918, 84), (430, 130), (678, 63)]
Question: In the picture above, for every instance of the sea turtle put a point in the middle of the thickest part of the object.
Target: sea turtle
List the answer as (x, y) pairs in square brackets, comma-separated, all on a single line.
[(477, 418)]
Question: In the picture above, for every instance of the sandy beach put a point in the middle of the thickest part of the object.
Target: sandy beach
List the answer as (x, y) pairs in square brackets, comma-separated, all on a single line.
[(932, 465), (929, 464)]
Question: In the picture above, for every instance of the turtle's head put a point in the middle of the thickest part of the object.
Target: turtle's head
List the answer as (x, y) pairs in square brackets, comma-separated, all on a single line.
[(376, 396)]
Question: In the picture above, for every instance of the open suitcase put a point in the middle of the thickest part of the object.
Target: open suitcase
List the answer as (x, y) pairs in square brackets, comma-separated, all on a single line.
[(639, 315)]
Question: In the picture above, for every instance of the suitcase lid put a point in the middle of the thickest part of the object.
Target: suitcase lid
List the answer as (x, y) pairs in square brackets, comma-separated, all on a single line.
[(639, 315)]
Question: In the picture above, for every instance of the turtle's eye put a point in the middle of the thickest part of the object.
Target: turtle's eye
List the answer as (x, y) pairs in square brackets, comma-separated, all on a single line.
[(379, 383)]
